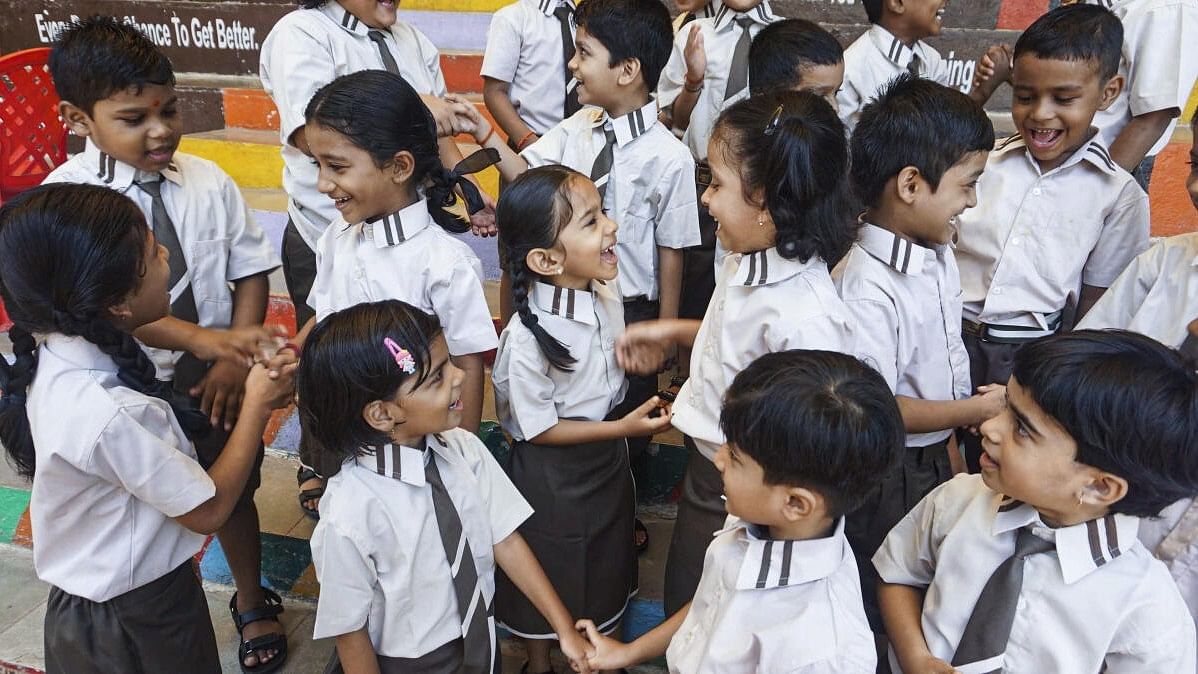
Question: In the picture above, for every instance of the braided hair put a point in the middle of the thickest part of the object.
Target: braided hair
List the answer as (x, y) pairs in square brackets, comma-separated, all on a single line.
[(530, 214), (70, 252)]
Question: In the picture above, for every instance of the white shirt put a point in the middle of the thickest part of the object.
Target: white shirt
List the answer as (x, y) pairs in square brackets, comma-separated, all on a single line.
[(378, 552), (1100, 602), (650, 190), (763, 303), (775, 606), (221, 241), (705, 12), (1033, 239), (720, 35), (113, 468), (405, 256), (530, 394), (306, 50), (874, 59), (908, 300), (524, 48), (1159, 63)]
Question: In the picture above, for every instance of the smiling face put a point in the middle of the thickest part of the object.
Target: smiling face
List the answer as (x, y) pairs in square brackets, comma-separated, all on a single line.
[(435, 404), (591, 66), (923, 18), (374, 13), (140, 128), (1054, 103), (585, 246), (742, 226), (348, 175), (151, 299), (938, 210)]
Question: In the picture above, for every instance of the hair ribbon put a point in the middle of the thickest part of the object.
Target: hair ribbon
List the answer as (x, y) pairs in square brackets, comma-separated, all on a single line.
[(476, 162), (403, 357)]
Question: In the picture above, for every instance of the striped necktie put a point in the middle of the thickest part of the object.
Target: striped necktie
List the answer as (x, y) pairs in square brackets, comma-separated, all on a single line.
[(183, 308), (476, 616), (738, 73), (914, 64), (563, 13), (385, 53), (601, 169)]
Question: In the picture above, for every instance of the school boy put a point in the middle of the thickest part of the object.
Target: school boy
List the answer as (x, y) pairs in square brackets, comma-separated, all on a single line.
[(118, 92), (917, 152), (1057, 219), (526, 85), (1034, 565), (893, 44), (807, 433), (797, 55)]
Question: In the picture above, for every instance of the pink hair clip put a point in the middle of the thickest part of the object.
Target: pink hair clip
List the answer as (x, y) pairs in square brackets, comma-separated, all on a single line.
[(403, 358)]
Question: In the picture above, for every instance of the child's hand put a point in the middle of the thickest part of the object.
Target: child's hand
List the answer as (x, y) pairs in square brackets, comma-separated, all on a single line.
[(238, 345), (695, 55), (641, 349), (285, 360), (274, 393), (221, 391), (652, 417), (994, 67), (482, 223), (449, 114), (607, 653), (468, 119), (994, 400), (576, 649), (931, 664)]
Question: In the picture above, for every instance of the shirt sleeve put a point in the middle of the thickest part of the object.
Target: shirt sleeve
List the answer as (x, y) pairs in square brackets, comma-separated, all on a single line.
[(460, 304), (677, 212), (298, 64), (848, 103), (673, 76), (432, 62), (347, 576), (549, 148), (908, 555), (878, 344), (504, 41), (1157, 634), (1124, 235), (1118, 305), (524, 373), (320, 297), (250, 252), (1162, 69), (506, 507), (139, 450)]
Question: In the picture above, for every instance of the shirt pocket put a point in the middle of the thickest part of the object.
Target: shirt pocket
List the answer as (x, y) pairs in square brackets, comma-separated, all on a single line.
[(1055, 240), (209, 262)]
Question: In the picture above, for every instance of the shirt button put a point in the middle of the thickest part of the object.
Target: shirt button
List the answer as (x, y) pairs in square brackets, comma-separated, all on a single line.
[(1015, 241), (997, 290), (1036, 191)]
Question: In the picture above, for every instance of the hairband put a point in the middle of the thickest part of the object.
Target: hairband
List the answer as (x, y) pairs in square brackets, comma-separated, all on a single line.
[(403, 357), (476, 162)]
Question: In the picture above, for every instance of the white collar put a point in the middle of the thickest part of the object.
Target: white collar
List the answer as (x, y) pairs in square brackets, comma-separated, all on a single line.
[(78, 352), (547, 7), (1093, 151), (348, 22), (575, 305), (766, 267), (1081, 548), (901, 255), (395, 228), (401, 462), (120, 176), (770, 564), (634, 124), (761, 14), (893, 48)]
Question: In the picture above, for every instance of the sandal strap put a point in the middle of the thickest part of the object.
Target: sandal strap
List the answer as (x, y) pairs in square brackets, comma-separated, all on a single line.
[(272, 608), (304, 474), (315, 492), (266, 642)]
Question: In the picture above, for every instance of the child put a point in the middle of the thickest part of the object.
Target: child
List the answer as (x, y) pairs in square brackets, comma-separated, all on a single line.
[(527, 86), (119, 503), (797, 55), (118, 92), (778, 164), (917, 152), (807, 434), (416, 512), (689, 10), (1098, 433), (893, 44), (642, 171), (1056, 219), (556, 386)]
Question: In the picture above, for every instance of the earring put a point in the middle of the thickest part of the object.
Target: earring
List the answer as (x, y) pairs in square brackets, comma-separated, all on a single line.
[(761, 221), (559, 271)]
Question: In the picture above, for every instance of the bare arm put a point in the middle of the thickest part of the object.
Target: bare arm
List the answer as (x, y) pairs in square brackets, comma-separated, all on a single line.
[(635, 424), (902, 606), (1089, 296), (669, 281), (1138, 137), (611, 654), (357, 653), (472, 389), (497, 96), (927, 416)]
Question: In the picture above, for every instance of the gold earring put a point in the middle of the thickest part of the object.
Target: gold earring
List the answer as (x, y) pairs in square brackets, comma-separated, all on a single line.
[(560, 271), (761, 221)]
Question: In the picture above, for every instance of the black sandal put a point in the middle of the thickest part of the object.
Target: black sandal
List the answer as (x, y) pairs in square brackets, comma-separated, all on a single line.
[(266, 642), (301, 476)]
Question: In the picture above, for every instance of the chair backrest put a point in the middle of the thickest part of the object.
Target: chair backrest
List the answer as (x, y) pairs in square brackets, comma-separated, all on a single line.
[(33, 139)]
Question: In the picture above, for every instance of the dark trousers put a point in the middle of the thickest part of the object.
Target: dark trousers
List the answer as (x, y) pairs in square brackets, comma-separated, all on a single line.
[(640, 387), (162, 626), (445, 658), (701, 513), (299, 270), (698, 262), (989, 363)]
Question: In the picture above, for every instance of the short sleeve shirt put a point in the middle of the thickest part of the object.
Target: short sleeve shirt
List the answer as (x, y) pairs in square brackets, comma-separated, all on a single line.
[(874, 59), (405, 256), (113, 470), (525, 49), (378, 552)]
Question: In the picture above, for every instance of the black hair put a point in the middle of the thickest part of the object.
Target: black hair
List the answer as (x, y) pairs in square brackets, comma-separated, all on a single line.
[(790, 147), (1129, 403), (873, 10), (311, 4), (782, 50), (99, 56), (914, 122), (530, 214), (816, 419), (382, 114), (347, 365), (630, 29), (70, 253), (1076, 33)]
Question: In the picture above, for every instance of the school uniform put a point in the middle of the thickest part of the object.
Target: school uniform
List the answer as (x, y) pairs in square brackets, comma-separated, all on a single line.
[(582, 494), (909, 296), (113, 470), (221, 243), (705, 12), (1093, 600), (874, 59), (764, 303), (380, 556), (775, 606), (307, 49), (525, 48)]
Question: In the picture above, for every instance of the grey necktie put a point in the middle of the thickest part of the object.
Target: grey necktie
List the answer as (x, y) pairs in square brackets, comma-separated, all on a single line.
[(989, 625), (913, 65), (563, 13), (738, 73), (601, 169), (183, 308), (385, 53), (472, 605)]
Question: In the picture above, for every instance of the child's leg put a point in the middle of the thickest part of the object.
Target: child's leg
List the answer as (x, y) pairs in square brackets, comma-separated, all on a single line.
[(989, 363), (700, 514), (538, 655), (299, 271)]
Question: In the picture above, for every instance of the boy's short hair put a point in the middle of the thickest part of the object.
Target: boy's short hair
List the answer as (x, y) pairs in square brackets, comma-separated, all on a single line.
[(630, 29), (873, 10), (1130, 404), (914, 122), (1076, 33), (815, 419), (780, 52), (99, 56)]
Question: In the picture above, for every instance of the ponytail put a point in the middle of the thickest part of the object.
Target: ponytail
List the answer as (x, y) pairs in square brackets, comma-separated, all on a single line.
[(14, 385)]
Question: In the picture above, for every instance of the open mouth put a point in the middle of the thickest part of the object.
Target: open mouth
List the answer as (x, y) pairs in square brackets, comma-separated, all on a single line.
[(986, 462), (161, 155), (608, 255), (1042, 139), (340, 202)]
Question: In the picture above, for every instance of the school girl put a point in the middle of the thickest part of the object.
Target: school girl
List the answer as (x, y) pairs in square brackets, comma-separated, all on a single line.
[(778, 166), (556, 384), (119, 503)]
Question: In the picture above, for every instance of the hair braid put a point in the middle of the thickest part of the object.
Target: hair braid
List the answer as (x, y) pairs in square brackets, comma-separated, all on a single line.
[(14, 382), (557, 353)]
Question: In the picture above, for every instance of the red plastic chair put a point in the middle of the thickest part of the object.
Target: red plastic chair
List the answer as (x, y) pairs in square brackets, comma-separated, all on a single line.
[(33, 139)]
